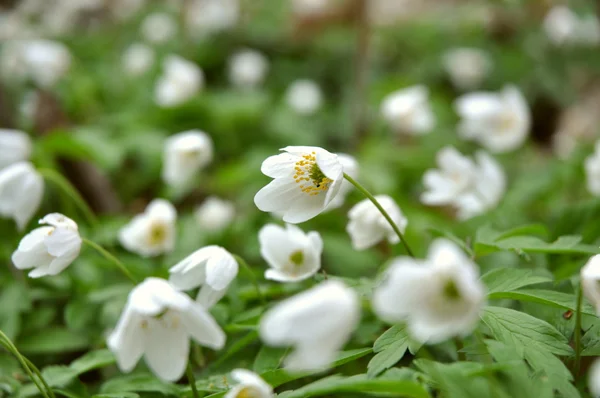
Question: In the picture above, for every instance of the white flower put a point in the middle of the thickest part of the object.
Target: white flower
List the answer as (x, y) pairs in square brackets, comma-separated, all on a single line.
[(592, 171), (350, 167), (564, 27), (439, 298), (292, 255), (50, 249), (210, 16), (247, 69), (212, 268), (367, 226), (180, 81), (408, 111), (158, 27), (15, 146), (317, 323), (184, 155), (21, 191), (306, 179), (500, 122), (594, 379), (215, 214), (152, 232), (466, 67), (250, 385), (304, 96), (590, 281), (157, 323), (471, 187), (137, 59)]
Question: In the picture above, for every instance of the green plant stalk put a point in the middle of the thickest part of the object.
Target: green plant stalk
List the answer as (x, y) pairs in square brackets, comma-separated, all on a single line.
[(244, 264), (385, 214), (192, 380), (39, 374), (106, 254), (577, 338), (64, 184), (459, 346)]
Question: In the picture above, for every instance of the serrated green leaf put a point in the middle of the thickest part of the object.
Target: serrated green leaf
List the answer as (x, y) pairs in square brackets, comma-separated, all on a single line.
[(508, 279), (547, 297), (390, 347)]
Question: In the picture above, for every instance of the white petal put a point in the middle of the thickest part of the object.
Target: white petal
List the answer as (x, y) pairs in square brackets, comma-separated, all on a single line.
[(203, 328), (127, 340), (208, 297), (161, 209), (167, 347), (304, 208), (221, 269), (279, 166), (278, 195)]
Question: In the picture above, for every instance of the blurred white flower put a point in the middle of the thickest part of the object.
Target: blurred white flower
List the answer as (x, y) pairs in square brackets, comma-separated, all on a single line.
[(317, 323), (350, 167), (152, 232), (249, 385), (367, 226), (292, 254), (181, 80), (467, 67), (594, 378), (306, 179), (564, 27), (157, 322), (205, 17), (500, 122), (211, 268), (304, 96), (49, 249), (471, 187), (408, 111), (590, 281), (158, 28), (184, 155), (310, 7), (440, 297), (592, 171), (137, 59), (247, 69), (15, 146), (21, 191), (215, 214)]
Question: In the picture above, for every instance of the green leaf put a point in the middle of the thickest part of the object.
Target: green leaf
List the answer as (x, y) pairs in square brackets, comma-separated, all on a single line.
[(269, 358), (53, 340), (390, 347), (138, 383), (555, 370), (547, 297), (93, 360), (117, 395), (508, 279), (522, 330), (59, 376)]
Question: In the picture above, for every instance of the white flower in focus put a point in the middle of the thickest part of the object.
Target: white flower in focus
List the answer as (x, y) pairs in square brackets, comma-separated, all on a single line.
[(137, 59), (211, 268), (408, 111), (157, 323), (249, 385), (350, 167), (292, 255), (181, 80), (184, 155), (306, 179), (158, 28), (49, 249), (152, 232), (439, 298), (471, 187), (467, 67), (500, 122), (15, 146), (215, 214), (592, 171), (594, 378), (248, 69), (317, 323), (304, 96), (590, 281), (367, 226), (204, 17), (21, 191)]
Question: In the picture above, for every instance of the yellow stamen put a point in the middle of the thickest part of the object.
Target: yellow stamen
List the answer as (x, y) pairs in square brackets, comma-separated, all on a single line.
[(307, 170)]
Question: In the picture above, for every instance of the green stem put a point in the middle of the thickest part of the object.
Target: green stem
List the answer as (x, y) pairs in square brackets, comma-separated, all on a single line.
[(577, 363), (192, 380), (64, 184), (39, 375), (459, 346), (244, 264), (385, 214), (106, 254)]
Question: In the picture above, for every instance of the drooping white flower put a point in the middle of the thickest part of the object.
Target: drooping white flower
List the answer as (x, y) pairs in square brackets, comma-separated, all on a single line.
[(594, 378), (590, 281), (564, 27), (439, 297), (317, 323), (292, 254), (158, 28), (471, 187), (181, 80), (592, 171), (249, 385), (211, 268), (367, 226), (408, 111), (15, 146), (21, 191), (137, 59), (500, 122), (247, 69), (184, 155), (306, 179), (204, 17), (49, 249), (350, 167), (152, 232), (466, 67), (157, 323), (304, 96), (215, 214)]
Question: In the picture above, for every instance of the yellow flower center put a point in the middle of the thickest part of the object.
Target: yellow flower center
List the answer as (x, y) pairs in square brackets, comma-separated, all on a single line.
[(297, 257), (451, 290), (157, 234), (310, 177), (248, 392)]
